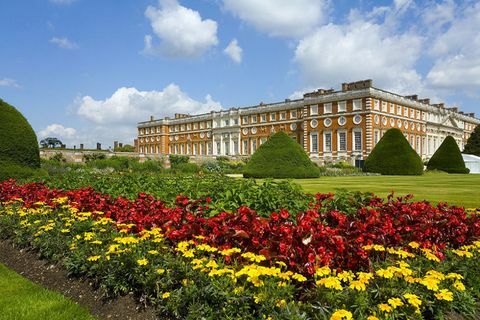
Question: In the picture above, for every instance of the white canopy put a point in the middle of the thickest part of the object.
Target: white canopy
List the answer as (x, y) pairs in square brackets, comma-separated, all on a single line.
[(472, 162)]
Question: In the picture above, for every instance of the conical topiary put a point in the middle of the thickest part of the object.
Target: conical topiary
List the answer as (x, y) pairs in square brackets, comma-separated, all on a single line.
[(473, 143), (393, 155), (448, 158), (18, 142), (280, 157)]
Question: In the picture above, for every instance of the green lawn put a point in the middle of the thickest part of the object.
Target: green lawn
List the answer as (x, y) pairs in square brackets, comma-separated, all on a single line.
[(22, 299), (455, 189)]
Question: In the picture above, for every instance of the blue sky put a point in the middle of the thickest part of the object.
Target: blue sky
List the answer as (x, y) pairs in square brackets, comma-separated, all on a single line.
[(88, 71)]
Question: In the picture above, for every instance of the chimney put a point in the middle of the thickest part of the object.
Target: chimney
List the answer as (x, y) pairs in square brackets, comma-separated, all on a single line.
[(99, 146), (424, 101), (344, 86), (81, 146), (115, 144), (453, 109), (413, 97), (439, 105), (120, 145), (472, 114), (151, 118)]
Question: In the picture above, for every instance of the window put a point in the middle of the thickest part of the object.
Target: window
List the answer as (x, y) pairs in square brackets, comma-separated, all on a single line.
[(273, 116), (314, 143), (263, 140), (293, 114), (195, 149), (263, 118), (170, 129), (392, 108), (254, 118), (227, 122), (327, 108), (313, 110), (357, 140), (235, 147), (376, 137), (342, 106), (412, 113), (218, 148), (405, 112), (357, 104), (399, 110), (327, 138), (202, 149), (342, 141), (202, 125), (235, 122), (182, 127), (418, 114), (283, 115), (418, 145), (227, 147), (209, 124), (384, 106), (245, 147), (411, 140), (245, 120), (189, 126), (254, 145), (376, 104)]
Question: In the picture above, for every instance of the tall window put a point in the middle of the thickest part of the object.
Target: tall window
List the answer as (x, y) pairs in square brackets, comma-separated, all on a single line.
[(218, 147), (328, 141), (376, 137), (245, 147), (272, 117), (245, 119), (293, 114), (342, 106), (263, 118), (254, 119), (342, 141), (314, 142), (283, 115), (227, 147), (254, 145), (357, 139)]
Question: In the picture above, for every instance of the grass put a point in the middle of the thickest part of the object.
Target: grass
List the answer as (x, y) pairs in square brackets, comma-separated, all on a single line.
[(456, 189), (22, 299)]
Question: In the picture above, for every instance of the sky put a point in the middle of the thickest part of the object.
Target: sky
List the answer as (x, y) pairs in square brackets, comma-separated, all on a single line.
[(88, 71)]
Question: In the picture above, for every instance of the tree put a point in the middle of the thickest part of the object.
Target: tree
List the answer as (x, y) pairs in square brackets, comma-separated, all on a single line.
[(473, 143), (18, 142), (125, 148), (393, 155), (448, 158), (280, 157), (51, 143)]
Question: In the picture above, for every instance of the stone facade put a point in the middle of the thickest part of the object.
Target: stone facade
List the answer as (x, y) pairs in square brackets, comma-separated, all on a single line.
[(331, 125)]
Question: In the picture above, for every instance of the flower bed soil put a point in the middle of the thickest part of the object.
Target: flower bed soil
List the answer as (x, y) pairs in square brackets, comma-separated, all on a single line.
[(52, 277)]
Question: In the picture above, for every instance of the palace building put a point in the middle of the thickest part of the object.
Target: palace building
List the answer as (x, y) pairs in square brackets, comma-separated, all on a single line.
[(330, 125)]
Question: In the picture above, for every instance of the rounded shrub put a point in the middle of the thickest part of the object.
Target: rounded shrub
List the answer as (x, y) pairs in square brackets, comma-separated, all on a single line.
[(280, 157), (448, 158), (18, 142), (393, 155)]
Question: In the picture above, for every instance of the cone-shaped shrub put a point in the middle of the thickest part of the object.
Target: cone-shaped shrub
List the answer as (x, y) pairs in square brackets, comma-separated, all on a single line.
[(393, 155), (448, 158), (18, 142), (280, 157)]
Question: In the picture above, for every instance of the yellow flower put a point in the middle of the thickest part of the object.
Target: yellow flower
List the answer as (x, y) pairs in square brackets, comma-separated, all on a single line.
[(299, 277), (93, 258), (330, 282), (414, 245), (358, 285), (459, 286), (444, 294), (384, 307), (142, 262), (372, 318), (153, 252), (430, 283), (160, 271), (281, 303), (385, 273), (341, 315), (413, 299), (165, 295), (65, 230), (323, 271), (463, 253), (395, 302)]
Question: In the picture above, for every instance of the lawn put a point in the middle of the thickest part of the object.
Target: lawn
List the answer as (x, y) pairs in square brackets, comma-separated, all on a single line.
[(22, 299), (452, 188)]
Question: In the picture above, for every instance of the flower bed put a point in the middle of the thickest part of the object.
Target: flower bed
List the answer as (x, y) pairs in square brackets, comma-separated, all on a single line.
[(390, 259)]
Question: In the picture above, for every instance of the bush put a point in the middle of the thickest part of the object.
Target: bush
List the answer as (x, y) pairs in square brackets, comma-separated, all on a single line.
[(18, 142), (176, 159), (58, 157), (186, 168), (280, 157), (473, 143), (15, 171), (393, 155), (94, 156), (448, 158)]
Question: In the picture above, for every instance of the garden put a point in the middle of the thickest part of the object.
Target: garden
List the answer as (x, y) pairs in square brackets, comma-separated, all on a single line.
[(191, 243)]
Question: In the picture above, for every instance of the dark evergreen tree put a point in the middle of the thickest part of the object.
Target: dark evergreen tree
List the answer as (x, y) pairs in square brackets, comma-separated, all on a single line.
[(473, 143)]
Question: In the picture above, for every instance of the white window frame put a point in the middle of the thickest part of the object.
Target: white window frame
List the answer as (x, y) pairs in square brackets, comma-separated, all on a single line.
[(314, 109), (283, 115), (245, 119), (339, 144), (354, 145), (263, 118), (342, 106), (376, 104), (325, 149), (273, 116), (293, 114), (384, 106), (312, 135), (254, 118), (357, 104)]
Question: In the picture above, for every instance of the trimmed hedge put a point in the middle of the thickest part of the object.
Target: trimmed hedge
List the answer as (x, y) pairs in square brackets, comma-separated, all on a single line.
[(15, 171), (18, 142), (280, 157), (393, 155), (448, 158)]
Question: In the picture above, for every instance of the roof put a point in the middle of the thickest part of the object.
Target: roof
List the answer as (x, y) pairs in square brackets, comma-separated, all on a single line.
[(470, 158)]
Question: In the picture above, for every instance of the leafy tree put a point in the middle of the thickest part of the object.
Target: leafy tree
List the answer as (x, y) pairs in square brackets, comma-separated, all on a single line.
[(393, 155), (125, 148), (18, 142), (448, 158), (280, 157), (51, 143), (473, 143)]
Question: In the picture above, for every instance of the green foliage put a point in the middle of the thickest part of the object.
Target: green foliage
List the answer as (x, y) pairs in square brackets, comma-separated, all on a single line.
[(125, 148), (15, 171), (223, 165), (87, 157), (280, 157), (186, 168), (18, 142), (473, 143), (393, 155), (448, 158), (176, 159), (58, 157)]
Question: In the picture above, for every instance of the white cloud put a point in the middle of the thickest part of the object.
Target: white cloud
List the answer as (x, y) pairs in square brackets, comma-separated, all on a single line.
[(7, 82), (457, 53), (362, 49), (58, 131), (280, 17), (181, 31), (64, 43), (234, 51)]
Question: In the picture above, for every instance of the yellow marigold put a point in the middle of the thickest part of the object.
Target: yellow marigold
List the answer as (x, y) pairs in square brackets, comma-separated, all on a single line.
[(358, 285), (436, 275), (330, 283), (444, 294), (413, 299), (453, 275), (96, 242), (384, 273), (229, 252), (459, 285), (384, 307), (372, 318), (463, 253), (299, 277), (153, 252), (345, 276), (429, 255), (395, 302), (341, 315), (165, 295), (93, 258), (430, 283), (160, 271), (414, 245), (281, 303), (65, 230), (142, 262), (323, 271)]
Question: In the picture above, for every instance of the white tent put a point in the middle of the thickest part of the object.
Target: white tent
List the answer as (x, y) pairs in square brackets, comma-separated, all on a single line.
[(472, 162)]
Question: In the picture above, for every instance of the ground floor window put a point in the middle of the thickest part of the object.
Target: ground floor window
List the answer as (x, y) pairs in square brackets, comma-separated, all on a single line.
[(327, 138), (357, 140), (342, 141), (314, 143)]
